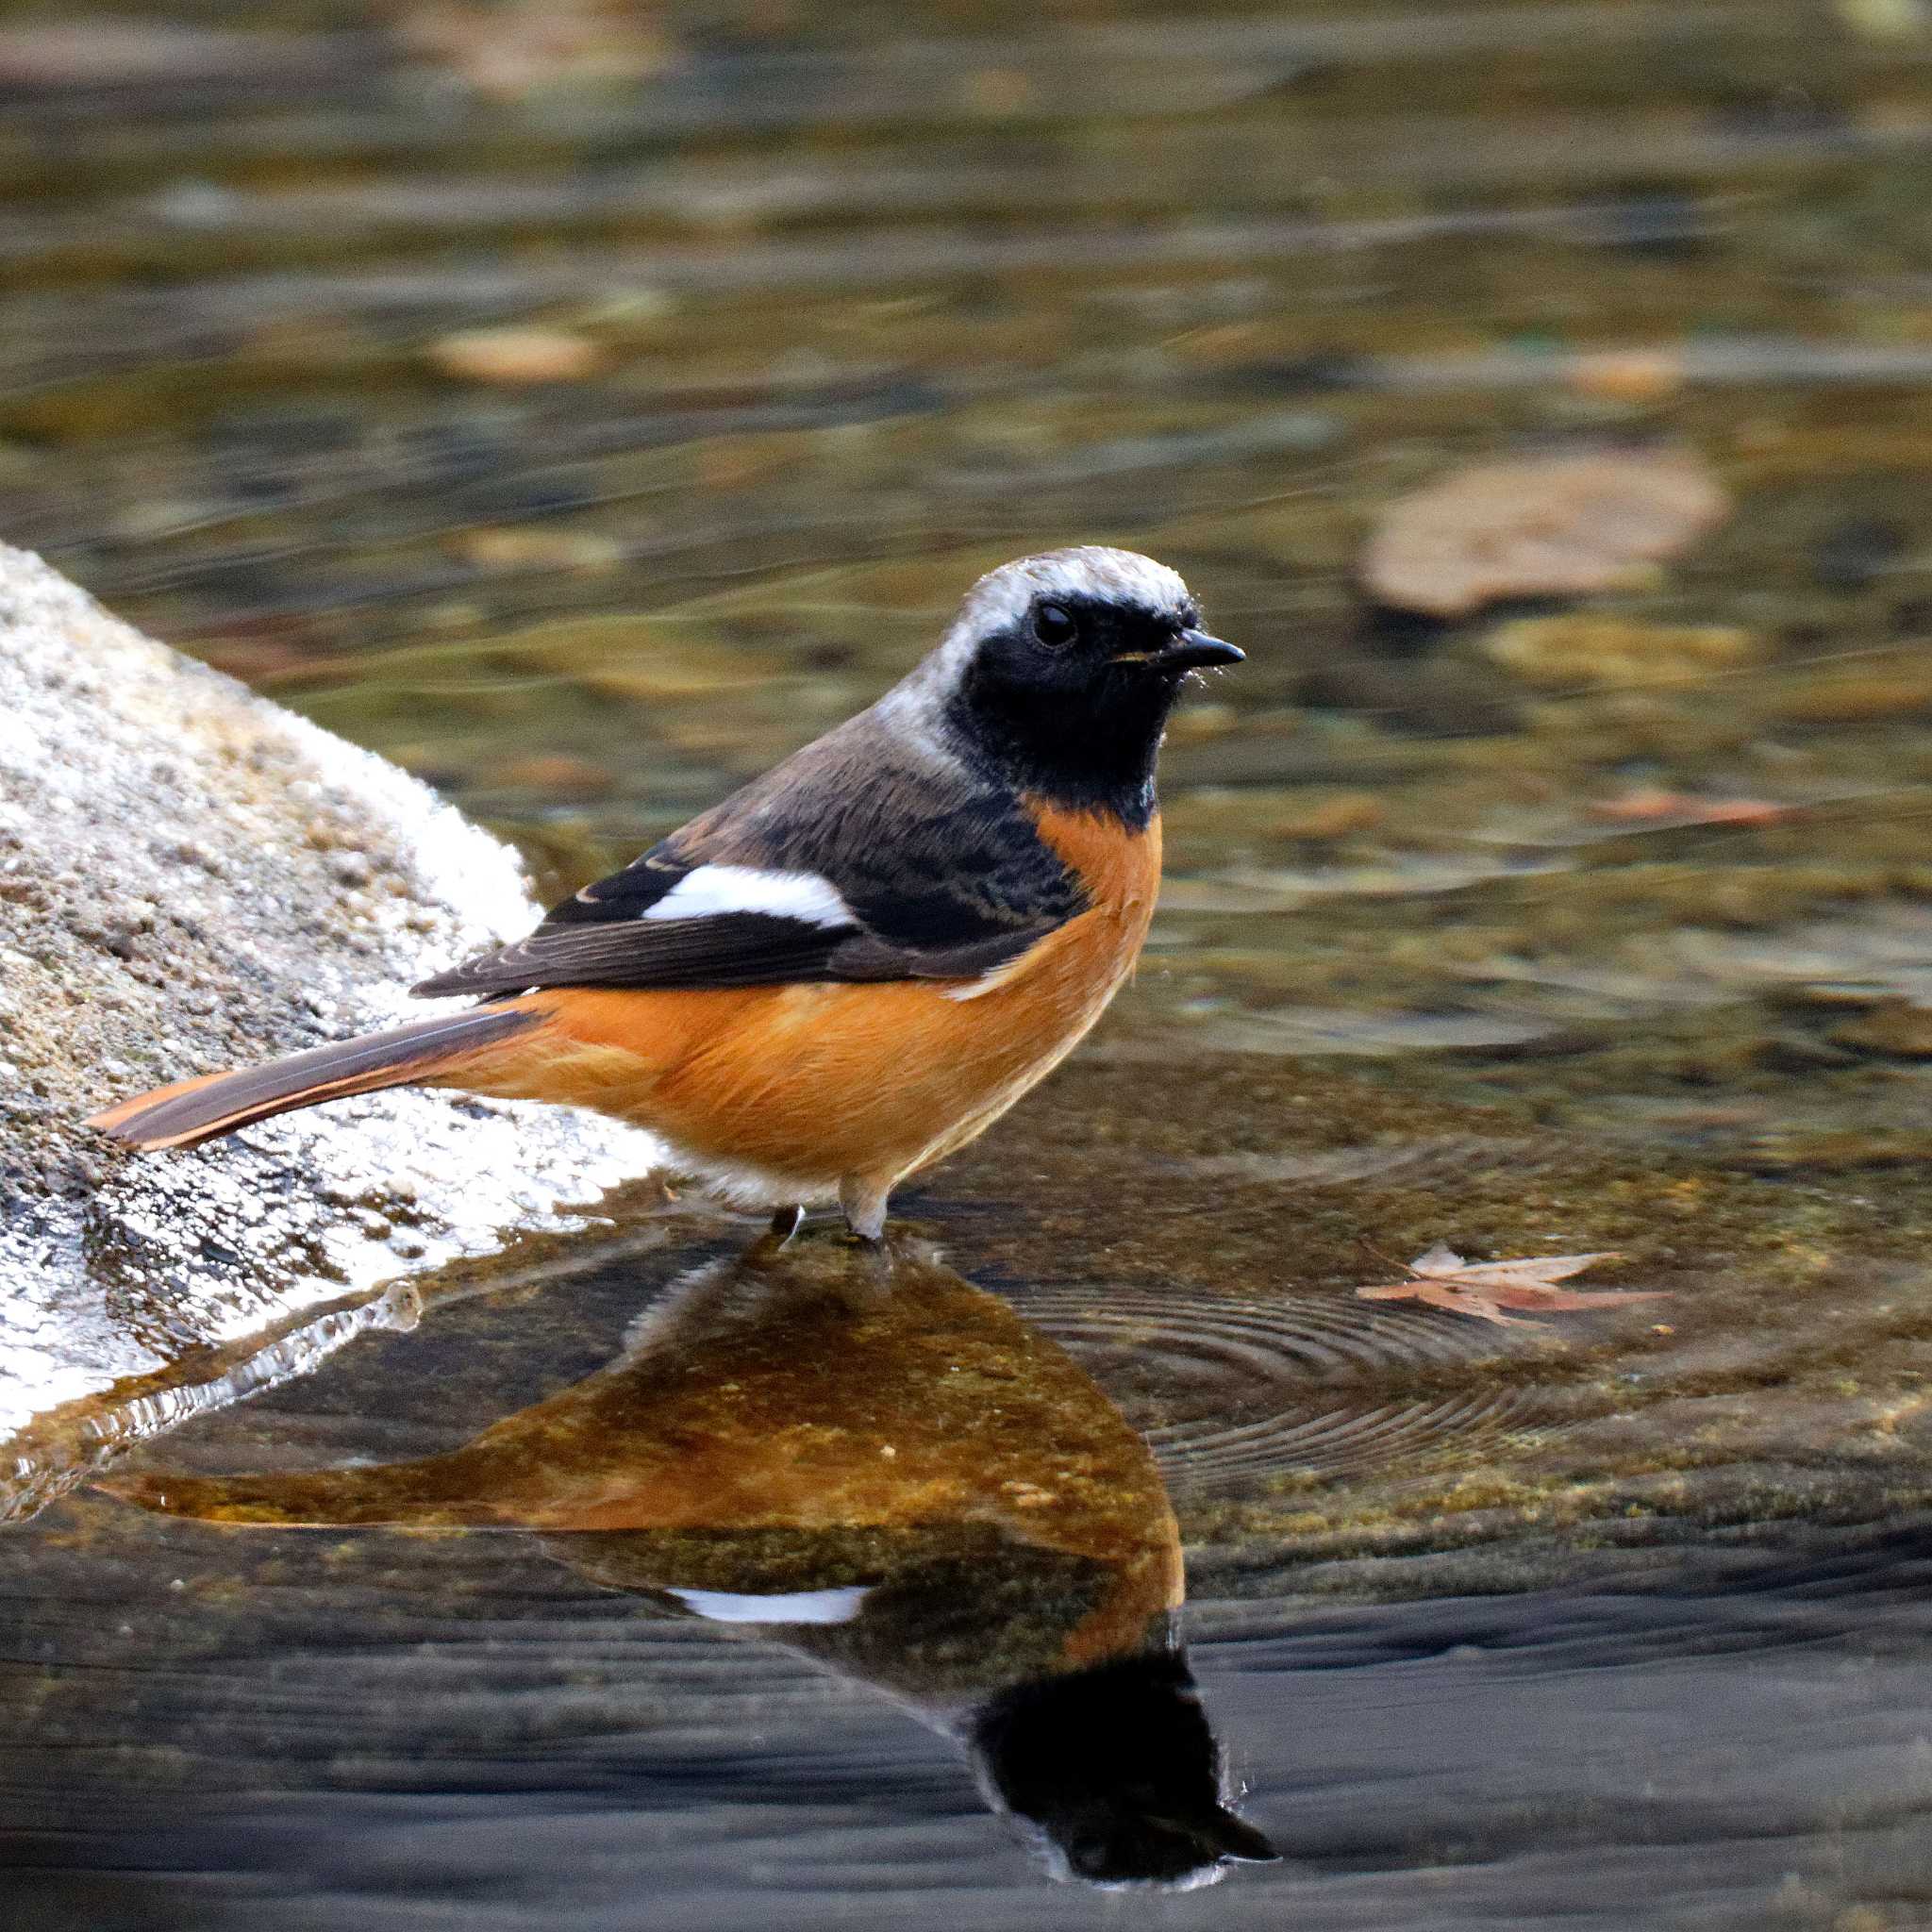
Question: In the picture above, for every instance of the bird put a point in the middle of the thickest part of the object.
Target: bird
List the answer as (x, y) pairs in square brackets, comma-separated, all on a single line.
[(851, 966)]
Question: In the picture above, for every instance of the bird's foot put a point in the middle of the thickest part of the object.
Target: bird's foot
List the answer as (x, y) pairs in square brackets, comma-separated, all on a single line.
[(864, 1203)]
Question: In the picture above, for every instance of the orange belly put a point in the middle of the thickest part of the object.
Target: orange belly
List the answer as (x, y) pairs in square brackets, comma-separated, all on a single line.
[(792, 1089)]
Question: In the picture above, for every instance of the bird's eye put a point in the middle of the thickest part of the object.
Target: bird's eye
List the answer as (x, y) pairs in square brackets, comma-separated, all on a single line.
[(1054, 624)]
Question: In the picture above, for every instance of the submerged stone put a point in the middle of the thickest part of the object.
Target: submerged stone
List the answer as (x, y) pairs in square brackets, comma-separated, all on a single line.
[(1893, 1027), (516, 358), (1586, 649)]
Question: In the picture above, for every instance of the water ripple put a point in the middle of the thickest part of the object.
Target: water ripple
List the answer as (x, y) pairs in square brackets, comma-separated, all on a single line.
[(1298, 1387)]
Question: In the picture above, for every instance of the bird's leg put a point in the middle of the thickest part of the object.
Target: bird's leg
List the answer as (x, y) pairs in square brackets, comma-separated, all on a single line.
[(863, 1199), (785, 1222)]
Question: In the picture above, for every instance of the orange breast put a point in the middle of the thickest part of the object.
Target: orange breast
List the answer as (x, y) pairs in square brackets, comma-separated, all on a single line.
[(815, 1082)]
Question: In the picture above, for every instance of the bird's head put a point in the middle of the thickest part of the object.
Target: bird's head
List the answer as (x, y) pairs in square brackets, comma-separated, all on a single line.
[(1061, 669)]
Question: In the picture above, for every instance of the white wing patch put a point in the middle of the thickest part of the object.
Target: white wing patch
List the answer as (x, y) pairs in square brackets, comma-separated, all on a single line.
[(788, 1606), (711, 890)]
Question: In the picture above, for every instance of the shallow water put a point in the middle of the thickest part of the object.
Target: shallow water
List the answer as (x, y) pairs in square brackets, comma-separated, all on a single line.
[(1616, 1619)]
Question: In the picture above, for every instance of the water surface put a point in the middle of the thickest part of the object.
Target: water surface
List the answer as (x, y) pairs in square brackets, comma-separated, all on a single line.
[(1613, 1621)]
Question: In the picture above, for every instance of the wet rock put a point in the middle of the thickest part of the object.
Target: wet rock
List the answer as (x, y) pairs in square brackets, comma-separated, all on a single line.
[(561, 774), (1886, 20), (535, 548), (1437, 696), (1895, 1027), (507, 52), (1855, 693), (1337, 816), (190, 879), (1635, 377), (1584, 650), (643, 658), (1538, 526), (517, 358), (95, 53), (1197, 724)]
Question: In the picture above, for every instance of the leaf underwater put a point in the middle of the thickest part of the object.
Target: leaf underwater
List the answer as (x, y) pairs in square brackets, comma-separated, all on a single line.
[(1444, 1280)]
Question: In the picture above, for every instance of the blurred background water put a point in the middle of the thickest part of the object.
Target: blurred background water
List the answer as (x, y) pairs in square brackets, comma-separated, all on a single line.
[(583, 404)]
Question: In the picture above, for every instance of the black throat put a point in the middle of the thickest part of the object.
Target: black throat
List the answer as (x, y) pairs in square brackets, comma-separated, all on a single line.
[(1091, 752)]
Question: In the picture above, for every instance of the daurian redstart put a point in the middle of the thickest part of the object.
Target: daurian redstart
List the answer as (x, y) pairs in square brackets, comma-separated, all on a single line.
[(857, 962)]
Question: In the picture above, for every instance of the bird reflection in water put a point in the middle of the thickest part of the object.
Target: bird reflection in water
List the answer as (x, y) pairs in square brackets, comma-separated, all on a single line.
[(905, 1485)]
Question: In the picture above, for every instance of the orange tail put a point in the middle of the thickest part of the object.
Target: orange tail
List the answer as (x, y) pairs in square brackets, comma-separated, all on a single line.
[(191, 1111)]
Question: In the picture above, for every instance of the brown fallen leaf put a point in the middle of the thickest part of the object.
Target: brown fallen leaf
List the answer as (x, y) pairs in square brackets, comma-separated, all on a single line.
[(1484, 1289), (1559, 525), (1654, 805)]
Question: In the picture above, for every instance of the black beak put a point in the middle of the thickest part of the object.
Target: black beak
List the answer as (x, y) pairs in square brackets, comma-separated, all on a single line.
[(1195, 650)]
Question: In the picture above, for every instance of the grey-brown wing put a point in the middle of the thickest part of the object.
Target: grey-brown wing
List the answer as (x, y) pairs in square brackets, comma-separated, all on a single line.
[(847, 863)]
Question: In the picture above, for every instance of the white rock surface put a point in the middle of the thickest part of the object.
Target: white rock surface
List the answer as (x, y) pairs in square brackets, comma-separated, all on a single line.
[(191, 879)]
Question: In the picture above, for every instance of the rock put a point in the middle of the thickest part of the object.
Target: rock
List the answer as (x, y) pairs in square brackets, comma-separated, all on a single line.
[(1584, 650), (1894, 1026), (645, 660), (53, 55), (1886, 20), (516, 358), (1200, 721), (494, 548), (190, 879), (1637, 377), (561, 773), (1337, 816), (1876, 692), (511, 49), (1552, 526)]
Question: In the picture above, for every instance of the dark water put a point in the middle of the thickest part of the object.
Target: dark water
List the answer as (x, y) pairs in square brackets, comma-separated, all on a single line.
[(1615, 1621), (411, 1711)]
